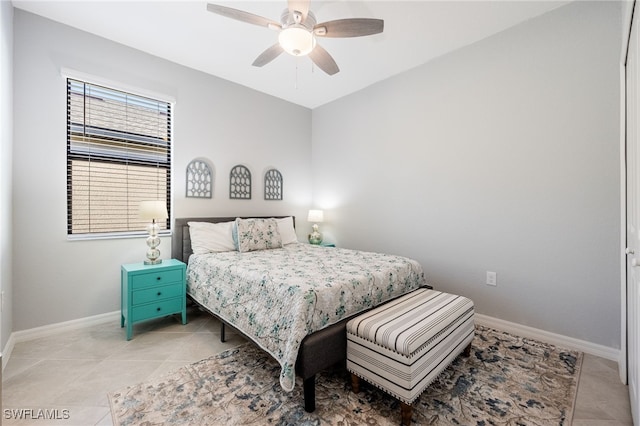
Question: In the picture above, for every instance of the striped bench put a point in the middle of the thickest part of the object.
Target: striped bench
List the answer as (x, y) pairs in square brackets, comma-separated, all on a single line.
[(403, 345)]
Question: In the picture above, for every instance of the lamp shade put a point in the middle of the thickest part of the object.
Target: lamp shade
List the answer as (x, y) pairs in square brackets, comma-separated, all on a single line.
[(153, 210), (316, 216)]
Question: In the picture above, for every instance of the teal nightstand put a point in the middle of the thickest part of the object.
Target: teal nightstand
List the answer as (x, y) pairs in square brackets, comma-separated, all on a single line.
[(324, 244), (152, 291)]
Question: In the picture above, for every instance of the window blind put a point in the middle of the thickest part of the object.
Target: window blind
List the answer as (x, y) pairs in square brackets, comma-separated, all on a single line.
[(118, 154)]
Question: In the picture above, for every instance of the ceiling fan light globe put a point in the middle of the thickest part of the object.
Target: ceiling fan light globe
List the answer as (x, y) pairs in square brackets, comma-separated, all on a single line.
[(297, 40)]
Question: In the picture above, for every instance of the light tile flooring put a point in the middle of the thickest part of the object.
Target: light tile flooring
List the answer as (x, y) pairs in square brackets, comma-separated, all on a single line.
[(74, 371)]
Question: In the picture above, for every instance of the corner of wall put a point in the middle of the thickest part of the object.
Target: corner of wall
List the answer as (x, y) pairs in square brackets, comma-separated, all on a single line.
[(6, 173)]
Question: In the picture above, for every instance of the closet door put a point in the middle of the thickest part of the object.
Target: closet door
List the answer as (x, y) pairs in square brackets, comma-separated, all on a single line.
[(633, 218)]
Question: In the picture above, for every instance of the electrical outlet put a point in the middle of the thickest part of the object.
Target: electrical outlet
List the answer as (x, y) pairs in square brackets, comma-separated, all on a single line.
[(492, 278)]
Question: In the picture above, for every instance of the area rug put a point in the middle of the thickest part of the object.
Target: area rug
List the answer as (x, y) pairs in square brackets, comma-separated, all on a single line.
[(507, 380)]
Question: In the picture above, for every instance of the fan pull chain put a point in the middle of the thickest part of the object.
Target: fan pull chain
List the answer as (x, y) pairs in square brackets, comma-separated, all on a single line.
[(296, 84)]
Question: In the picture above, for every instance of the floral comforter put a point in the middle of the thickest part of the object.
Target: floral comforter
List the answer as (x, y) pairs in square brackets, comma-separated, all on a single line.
[(279, 296)]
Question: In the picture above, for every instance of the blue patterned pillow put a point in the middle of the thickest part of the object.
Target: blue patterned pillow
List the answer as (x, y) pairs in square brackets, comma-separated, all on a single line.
[(257, 234)]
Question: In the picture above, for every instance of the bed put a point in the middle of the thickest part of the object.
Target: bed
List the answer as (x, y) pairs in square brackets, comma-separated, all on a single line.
[(292, 299)]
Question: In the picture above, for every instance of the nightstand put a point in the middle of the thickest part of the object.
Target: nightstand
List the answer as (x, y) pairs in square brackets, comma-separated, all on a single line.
[(152, 291), (324, 244)]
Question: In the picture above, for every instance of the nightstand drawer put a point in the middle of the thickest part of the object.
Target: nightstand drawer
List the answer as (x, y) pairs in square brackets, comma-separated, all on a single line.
[(157, 293), (156, 278), (158, 309)]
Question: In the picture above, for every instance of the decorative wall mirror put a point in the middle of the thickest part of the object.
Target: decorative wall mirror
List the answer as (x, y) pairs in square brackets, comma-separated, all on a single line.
[(273, 185), (199, 180), (240, 183)]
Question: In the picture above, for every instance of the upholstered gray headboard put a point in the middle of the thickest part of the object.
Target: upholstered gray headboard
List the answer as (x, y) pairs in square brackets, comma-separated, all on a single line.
[(181, 240)]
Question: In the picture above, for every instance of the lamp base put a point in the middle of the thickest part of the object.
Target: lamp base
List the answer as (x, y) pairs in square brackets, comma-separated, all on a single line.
[(153, 241), (315, 237)]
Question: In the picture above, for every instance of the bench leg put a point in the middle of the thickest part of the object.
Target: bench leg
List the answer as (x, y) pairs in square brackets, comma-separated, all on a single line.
[(406, 412), (467, 351), (223, 338), (355, 383)]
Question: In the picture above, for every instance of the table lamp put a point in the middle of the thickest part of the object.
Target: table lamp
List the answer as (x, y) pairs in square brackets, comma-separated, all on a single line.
[(152, 210), (316, 216)]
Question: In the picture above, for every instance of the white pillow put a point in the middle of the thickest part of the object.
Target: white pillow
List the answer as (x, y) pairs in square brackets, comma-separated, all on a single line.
[(211, 237), (286, 230)]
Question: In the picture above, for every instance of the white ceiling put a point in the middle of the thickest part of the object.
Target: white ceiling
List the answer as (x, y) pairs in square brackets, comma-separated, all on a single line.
[(186, 33)]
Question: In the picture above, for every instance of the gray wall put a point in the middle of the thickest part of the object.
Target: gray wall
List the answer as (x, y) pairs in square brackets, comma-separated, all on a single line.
[(56, 280), (6, 143), (502, 156)]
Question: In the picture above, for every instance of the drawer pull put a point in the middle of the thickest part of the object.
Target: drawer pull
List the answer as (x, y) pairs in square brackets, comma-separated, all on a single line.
[(159, 308), (159, 278), (159, 293)]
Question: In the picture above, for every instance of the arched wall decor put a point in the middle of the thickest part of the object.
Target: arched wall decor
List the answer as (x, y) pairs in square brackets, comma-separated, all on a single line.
[(199, 180), (240, 183), (273, 185)]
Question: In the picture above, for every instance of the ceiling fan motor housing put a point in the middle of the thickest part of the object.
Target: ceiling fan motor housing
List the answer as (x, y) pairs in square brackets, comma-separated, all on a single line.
[(288, 19)]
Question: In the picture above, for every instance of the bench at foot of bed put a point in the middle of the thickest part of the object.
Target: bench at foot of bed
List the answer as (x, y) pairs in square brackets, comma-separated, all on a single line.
[(402, 346)]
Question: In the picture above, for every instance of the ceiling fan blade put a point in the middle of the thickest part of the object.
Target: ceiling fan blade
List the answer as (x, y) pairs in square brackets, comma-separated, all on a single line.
[(268, 55), (355, 27), (323, 60), (243, 16), (301, 6)]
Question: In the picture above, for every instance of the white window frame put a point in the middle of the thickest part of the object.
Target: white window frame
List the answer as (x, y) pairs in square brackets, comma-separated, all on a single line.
[(92, 80)]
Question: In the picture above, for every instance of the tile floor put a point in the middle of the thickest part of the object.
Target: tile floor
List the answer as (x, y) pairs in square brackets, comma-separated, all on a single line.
[(74, 371)]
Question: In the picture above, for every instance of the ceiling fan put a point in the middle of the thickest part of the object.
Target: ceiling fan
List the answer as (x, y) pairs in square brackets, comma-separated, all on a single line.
[(297, 32)]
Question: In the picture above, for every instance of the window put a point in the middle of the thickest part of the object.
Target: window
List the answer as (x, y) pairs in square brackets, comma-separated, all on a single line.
[(118, 154)]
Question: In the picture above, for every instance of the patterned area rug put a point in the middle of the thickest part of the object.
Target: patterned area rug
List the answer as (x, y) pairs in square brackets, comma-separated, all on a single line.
[(508, 380)]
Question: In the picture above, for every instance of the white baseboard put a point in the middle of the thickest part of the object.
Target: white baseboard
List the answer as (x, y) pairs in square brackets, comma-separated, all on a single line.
[(6, 353), (52, 329), (548, 337), (514, 328)]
